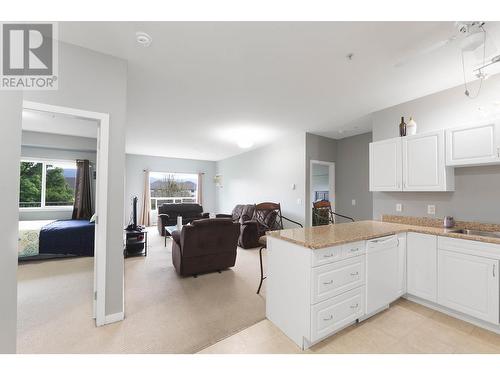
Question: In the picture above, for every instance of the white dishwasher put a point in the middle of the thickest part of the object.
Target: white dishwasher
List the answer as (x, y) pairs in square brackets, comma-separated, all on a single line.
[(382, 267)]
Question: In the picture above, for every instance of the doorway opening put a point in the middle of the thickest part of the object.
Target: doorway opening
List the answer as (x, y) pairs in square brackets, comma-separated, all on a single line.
[(63, 208), (322, 183)]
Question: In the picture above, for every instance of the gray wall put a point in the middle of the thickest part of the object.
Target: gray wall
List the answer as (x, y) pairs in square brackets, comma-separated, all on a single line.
[(10, 108), (266, 174), (93, 81), (135, 164), (57, 147), (477, 189), (351, 177), (317, 148)]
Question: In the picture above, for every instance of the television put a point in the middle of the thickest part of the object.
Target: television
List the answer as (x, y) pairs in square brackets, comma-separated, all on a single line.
[(133, 220)]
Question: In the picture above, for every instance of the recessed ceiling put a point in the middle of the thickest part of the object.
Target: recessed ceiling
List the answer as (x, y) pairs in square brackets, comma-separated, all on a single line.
[(200, 83)]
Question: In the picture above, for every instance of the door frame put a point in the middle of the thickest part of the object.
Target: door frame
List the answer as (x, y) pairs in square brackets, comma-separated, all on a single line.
[(331, 183), (101, 209)]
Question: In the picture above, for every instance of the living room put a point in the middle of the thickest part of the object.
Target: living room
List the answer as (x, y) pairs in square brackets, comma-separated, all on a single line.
[(244, 176)]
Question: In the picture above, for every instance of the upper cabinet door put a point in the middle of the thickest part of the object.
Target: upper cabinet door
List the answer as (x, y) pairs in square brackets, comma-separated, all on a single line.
[(385, 165), (473, 145), (424, 167)]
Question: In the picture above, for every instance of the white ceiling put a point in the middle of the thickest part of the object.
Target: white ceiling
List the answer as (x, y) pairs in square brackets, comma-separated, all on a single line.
[(45, 122), (200, 86)]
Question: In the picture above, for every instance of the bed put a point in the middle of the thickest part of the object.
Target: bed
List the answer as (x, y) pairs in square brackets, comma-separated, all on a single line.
[(43, 239)]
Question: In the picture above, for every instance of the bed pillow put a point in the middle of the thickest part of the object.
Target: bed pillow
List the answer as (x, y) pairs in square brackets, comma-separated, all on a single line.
[(92, 219)]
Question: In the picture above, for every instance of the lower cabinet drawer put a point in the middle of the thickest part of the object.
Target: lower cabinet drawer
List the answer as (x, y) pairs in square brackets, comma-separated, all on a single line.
[(337, 312), (336, 278)]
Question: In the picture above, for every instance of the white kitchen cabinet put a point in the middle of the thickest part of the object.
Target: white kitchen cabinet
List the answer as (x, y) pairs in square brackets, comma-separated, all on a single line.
[(469, 284), (421, 252), (473, 145), (424, 163), (412, 163), (386, 165)]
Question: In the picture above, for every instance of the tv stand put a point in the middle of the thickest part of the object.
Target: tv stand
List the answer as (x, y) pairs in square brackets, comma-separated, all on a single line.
[(136, 242)]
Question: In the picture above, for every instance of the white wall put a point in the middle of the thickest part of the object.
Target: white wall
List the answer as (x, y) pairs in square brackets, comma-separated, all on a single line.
[(266, 174), (135, 164), (93, 81), (10, 151), (476, 195)]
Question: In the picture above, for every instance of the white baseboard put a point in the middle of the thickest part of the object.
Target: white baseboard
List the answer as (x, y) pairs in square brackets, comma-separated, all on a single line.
[(114, 318)]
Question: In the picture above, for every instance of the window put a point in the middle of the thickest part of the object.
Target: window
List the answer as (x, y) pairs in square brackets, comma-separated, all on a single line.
[(46, 184), (172, 188)]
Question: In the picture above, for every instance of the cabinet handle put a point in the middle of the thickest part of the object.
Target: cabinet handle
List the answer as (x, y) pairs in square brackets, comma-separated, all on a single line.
[(328, 282), (327, 255), (354, 250), (494, 270), (355, 274), (498, 152), (327, 319), (355, 306)]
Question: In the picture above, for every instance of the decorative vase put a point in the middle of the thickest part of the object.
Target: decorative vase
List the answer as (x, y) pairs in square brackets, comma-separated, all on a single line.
[(411, 127), (402, 127)]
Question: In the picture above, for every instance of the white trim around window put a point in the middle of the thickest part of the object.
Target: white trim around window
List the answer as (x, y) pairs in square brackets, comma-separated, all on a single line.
[(43, 206)]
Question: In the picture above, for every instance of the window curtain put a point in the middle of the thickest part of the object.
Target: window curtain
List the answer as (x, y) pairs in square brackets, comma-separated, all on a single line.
[(200, 189), (82, 208), (145, 218)]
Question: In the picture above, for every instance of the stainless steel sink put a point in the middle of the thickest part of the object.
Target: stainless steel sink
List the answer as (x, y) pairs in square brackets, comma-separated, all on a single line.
[(473, 232)]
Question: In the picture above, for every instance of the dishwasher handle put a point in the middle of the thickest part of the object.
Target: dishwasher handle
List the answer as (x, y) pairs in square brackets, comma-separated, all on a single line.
[(383, 242)]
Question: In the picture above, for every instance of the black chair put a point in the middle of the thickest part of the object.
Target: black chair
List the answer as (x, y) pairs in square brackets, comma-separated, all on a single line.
[(268, 217), (323, 214)]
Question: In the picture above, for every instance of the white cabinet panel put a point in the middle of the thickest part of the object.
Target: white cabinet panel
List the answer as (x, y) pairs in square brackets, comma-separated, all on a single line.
[(424, 167), (401, 289), (469, 284), (473, 145), (335, 278), (386, 165), (422, 265), (337, 312)]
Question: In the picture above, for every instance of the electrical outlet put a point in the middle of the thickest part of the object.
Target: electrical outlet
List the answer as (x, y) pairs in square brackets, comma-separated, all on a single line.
[(353, 202), (299, 201), (399, 207), (431, 209)]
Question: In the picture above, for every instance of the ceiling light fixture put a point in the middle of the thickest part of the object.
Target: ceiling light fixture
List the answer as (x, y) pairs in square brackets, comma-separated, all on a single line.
[(245, 143), (143, 38)]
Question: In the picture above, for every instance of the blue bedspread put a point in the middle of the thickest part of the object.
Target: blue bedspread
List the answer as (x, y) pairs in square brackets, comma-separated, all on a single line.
[(69, 237)]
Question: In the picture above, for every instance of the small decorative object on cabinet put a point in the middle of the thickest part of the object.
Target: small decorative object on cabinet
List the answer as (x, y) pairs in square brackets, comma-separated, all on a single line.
[(402, 127), (411, 127), (449, 222)]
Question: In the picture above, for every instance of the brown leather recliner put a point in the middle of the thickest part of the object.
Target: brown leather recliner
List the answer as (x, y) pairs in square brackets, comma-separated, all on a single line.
[(249, 231), (205, 245)]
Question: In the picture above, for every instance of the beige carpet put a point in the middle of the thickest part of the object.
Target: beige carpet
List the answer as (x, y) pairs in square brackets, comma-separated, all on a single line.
[(164, 313)]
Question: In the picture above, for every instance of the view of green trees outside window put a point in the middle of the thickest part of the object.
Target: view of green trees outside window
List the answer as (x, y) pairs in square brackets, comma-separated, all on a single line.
[(59, 184)]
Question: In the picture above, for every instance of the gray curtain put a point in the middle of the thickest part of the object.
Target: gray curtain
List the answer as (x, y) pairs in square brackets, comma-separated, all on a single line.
[(82, 209)]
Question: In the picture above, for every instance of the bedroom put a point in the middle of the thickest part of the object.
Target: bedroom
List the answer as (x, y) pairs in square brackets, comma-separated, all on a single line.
[(56, 205)]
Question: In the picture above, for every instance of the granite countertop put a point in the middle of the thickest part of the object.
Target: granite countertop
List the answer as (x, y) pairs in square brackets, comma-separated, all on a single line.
[(331, 235)]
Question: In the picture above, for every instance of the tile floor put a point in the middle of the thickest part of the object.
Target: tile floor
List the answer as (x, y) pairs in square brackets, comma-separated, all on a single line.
[(406, 327)]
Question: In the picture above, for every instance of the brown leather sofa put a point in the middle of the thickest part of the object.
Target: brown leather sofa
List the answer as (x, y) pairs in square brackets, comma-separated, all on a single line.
[(205, 245), (249, 231), (167, 214)]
